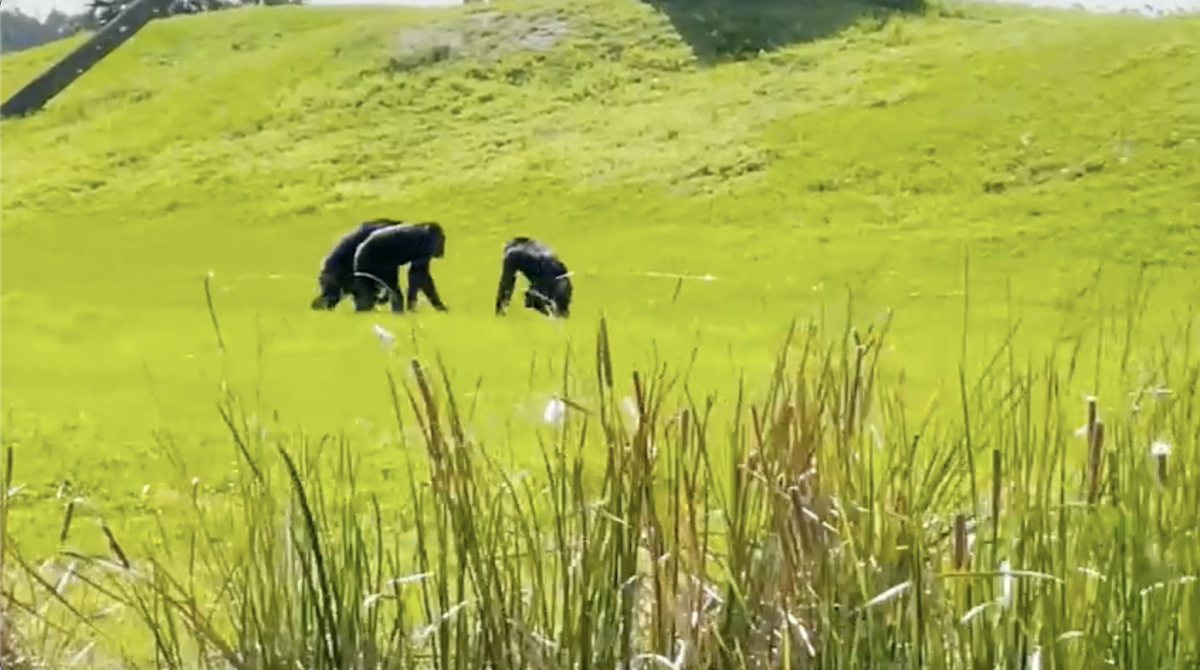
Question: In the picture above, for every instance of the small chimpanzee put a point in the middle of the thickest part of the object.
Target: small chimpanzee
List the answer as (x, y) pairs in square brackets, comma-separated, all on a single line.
[(378, 259), (336, 278), (549, 289)]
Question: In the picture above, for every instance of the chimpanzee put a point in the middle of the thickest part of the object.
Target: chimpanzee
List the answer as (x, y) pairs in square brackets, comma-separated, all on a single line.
[(378, 259), (549, 289), (336, 278)]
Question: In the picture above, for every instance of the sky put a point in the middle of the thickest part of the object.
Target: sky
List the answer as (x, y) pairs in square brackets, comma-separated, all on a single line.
[(43, 7)]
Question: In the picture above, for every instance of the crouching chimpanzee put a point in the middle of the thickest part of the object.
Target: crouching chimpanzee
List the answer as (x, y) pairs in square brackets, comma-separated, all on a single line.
[(378, 259), (336, 278), (549, 289)]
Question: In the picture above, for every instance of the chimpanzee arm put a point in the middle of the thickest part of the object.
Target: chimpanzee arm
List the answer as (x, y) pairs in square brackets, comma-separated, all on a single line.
[(508, 280), (421, 281)]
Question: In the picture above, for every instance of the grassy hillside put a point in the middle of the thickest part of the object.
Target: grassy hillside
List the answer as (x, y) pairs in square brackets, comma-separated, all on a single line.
[(859, 152)]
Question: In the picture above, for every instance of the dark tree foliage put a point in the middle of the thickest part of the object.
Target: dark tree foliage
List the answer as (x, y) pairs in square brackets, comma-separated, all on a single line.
[(106, 10), (19, 31)]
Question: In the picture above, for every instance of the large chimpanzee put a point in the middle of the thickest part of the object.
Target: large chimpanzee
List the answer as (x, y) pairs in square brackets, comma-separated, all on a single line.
[(336, 278), (549, 289), (378, 259)]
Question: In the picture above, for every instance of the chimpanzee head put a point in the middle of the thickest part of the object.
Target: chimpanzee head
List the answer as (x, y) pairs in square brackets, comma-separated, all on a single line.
[(329, 292), (562, 296), (533, 300), (437, 240), (365, 297), (553, 300)]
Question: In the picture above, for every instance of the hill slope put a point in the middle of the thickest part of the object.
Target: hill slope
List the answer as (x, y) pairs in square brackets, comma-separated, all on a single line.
[(854, 152)]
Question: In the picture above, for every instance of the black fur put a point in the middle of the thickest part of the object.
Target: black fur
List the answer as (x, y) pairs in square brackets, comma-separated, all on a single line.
[(378, 260), (549, 289), (336, 278)]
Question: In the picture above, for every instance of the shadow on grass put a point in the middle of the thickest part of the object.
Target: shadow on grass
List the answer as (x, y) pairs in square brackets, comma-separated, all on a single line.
[(726, 30)]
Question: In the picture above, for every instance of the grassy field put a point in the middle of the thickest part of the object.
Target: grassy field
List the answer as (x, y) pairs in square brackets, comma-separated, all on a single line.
[(970, 168)]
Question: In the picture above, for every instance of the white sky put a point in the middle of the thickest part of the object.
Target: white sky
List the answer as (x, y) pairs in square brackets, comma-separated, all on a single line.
[(43, 7)]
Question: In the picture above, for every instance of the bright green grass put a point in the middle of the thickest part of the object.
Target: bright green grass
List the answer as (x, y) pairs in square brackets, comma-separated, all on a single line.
[(869, 160)]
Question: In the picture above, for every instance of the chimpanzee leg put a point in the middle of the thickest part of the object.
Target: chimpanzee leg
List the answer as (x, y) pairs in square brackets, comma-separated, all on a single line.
[(414, 285), (536, 301), (391, 277), (383, 288), (369, 280), (365, 292)]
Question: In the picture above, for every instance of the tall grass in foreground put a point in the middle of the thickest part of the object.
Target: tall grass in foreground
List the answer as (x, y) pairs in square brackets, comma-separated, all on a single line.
[(814, 528)]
